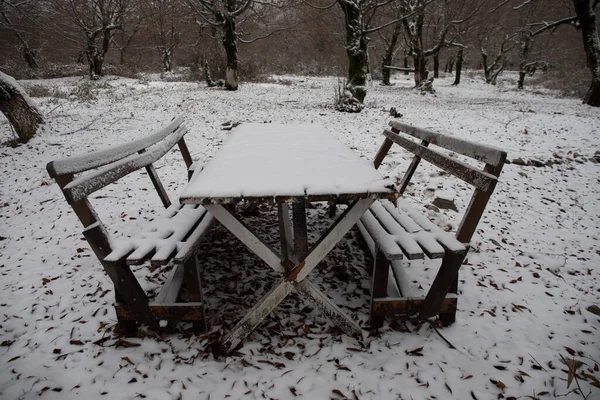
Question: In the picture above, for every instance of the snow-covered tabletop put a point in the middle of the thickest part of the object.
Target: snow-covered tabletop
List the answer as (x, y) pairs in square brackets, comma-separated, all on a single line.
[(262, 161)]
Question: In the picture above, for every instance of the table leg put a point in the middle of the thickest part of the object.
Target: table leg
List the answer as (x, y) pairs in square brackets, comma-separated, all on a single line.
[(327, 307), (246, 236), (285, 286), (256, 315), (300, 230), (285, 232)]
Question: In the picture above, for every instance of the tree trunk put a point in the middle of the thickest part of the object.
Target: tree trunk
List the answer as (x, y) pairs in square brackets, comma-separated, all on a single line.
[(388, 57), (167, 59), (484, 63), (459, 62), (436, 65), (591, 44), (20, 111), (526, 42), (230, 44), (30, 57), (406, 65), (94, 58), (28, 53), (451, 65), (420, 66), (356, 50)]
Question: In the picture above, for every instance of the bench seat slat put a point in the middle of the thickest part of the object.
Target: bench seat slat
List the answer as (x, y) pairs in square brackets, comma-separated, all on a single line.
[(385, 241), (423, 237), (173, 234)]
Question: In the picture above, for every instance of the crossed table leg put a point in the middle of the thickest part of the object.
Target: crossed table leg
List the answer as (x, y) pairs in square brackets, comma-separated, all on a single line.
[(293, 271)]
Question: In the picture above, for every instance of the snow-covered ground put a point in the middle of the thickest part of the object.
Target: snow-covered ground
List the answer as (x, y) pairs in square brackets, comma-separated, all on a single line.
[(533, 270)]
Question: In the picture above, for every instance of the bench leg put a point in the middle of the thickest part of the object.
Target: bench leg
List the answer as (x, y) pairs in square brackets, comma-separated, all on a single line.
[(124, 326), (381, 270), (193, 284), (332, 209), (442, 284), (448, 318)]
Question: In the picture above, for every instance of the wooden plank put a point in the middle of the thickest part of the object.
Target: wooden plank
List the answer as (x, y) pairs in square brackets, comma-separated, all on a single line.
[(311, 198), (285, 231), (442, 283), (185, 153), (383, 151), (246, 236), (399, 68), (368, 239), (330, 238), (125, 282), (285, 286), (328, 308), (467, 148), (98, 238), (476, 177), (411, 170), (170, 289), (379, 284), (476, 207), (300, 230), (167, 312), (256, 314), (84, 185), (193, 284), (402, 279), (408, 306), (72, 165), (160, 189)]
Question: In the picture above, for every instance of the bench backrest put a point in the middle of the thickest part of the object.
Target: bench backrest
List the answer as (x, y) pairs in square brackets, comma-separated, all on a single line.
[(484, 180), (80, 176)]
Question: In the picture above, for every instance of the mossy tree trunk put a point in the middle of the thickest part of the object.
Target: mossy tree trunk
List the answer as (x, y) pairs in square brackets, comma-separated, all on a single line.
[(18, 108), (591, 44), (356, 49), (230, 45)]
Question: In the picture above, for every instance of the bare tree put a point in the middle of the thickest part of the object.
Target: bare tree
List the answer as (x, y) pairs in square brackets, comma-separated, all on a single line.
[(163, 17), (448, 16), (21, 112), (391, 47), (493, 67), (133, 20), (24, 11), (223, 14), (97, 20)]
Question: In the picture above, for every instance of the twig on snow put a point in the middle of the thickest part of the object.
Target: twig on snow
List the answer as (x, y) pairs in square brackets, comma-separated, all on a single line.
[(81, 129), (537, 362)]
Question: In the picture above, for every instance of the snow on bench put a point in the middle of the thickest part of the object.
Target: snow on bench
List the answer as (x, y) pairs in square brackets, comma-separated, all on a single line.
[(171, 238), (394, 234)]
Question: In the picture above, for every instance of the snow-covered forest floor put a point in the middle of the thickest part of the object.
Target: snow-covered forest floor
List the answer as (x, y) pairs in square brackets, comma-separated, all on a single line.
[(532, 272)]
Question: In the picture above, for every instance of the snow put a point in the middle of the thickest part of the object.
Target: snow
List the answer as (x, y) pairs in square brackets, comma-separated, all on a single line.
[(268, 160), (532, 271)]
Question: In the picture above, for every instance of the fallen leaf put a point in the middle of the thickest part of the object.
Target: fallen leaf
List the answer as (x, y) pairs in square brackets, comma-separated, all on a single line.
[(126, 343), (415, 352)]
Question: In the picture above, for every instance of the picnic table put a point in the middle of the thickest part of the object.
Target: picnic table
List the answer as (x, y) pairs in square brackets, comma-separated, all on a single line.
[(287, 165)]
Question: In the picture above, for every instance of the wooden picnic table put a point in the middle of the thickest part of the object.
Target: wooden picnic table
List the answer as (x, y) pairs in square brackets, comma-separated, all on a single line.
[(287, 165)]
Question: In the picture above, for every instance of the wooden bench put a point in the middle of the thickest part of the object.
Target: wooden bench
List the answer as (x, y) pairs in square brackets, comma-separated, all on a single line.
[(168, 240), (398, 233)]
